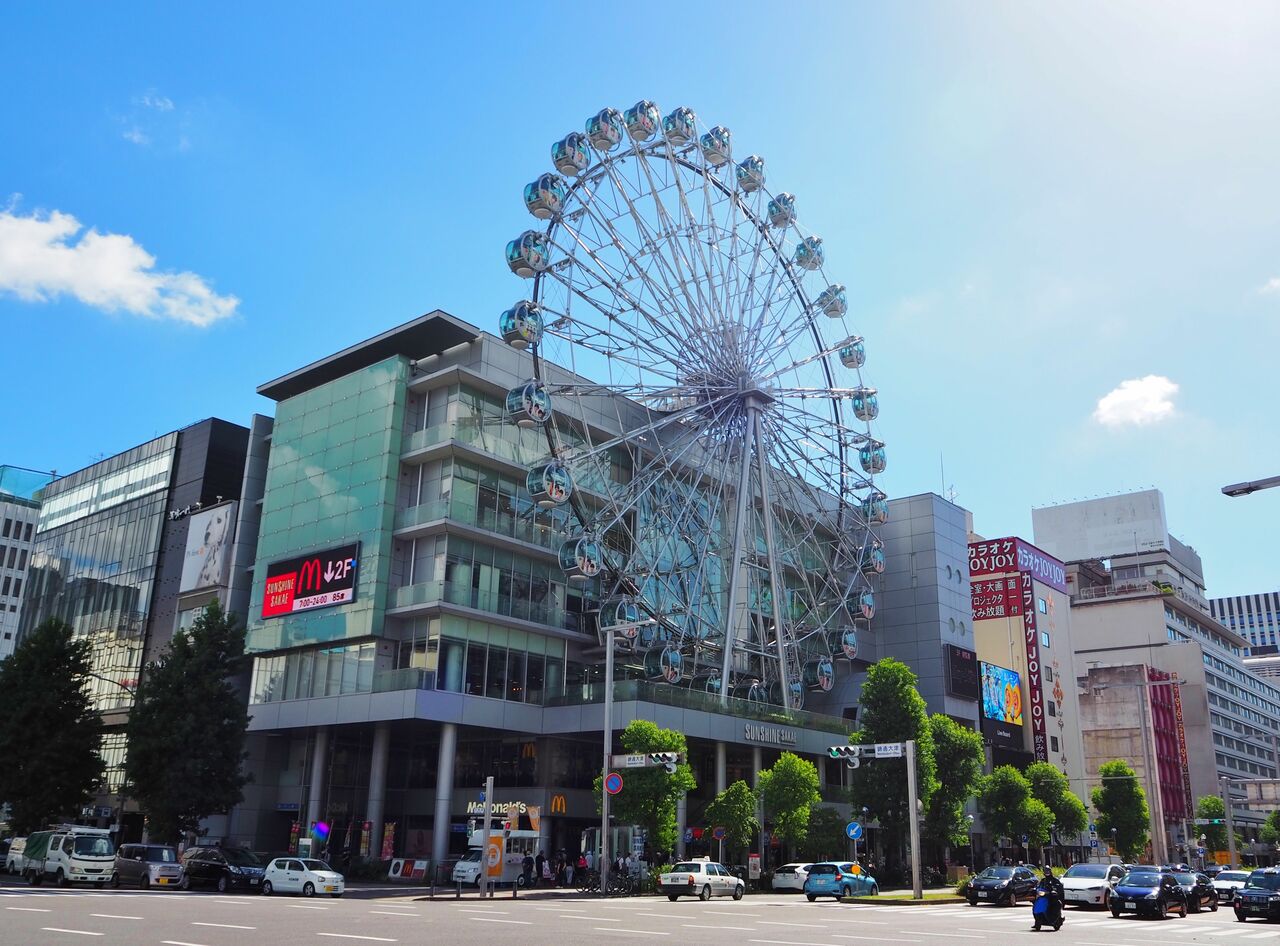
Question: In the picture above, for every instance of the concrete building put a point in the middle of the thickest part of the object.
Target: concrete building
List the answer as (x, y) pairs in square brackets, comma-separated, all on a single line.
[(1138, 600), (447, 644), (1024, 639), (18, 515), (127, 551), (1254, 617)]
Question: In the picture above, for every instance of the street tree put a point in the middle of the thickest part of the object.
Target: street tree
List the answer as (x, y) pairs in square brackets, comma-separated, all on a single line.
[(50, 731), (1009, 810), (891, 709), (1215, 835), (1050, 786), (187, 729), (957, 752), (789, 790), (1269, 834), (826, 840), (1122, 804), (650, 794), (734, 809)]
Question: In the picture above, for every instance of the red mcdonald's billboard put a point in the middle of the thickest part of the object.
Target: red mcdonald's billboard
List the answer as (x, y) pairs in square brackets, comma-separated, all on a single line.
[(318, 580)]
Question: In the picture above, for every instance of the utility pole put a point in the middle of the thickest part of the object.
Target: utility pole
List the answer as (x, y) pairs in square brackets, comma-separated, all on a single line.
[(603, 866), (1231, 828), (485, 886), (917, 888)]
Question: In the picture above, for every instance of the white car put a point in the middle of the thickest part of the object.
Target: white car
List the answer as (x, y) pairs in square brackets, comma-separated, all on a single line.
[(790, 877), (1087, 885), (15, 862), (303, 875), (701, 879), (467, 870), (1228, 882)]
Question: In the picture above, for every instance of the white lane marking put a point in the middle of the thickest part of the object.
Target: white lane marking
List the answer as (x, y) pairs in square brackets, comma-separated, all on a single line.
[(225, 926), (486, 910), (1255, 935), (874, 939), (816, 926), (375, 939), (555, 909), (786, 942), (177, 942), (729, 913), (695, 926), (116, 916), (956, 935), (662, 916), (594, 919), (392, 913), (494, 919), (615, 929), (54, 929), (30, 909), (307, 906)]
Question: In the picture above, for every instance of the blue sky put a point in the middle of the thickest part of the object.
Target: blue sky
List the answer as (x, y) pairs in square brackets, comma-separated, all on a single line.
[(1031, 204)]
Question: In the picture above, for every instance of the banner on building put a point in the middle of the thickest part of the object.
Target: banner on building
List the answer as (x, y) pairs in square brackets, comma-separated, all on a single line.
[(1003, 556), (295, 831), (319, 580), (995, 598), (1183, 759), (365, 830), (1035, 672), (388, 840), (1001, 705), (206, 562)]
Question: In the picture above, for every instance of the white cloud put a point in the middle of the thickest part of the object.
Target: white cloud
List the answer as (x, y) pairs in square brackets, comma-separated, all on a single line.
[(1271, 287), (152, 99), (43, 257), (1137, 402), (137, 136)]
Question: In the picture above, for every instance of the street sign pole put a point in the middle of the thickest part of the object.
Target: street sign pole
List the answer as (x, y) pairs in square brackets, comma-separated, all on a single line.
[(484, 838), (917, 888), (1231, 831), (603, 865)]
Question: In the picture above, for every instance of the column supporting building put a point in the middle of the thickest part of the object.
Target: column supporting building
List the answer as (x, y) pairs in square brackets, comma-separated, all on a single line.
[(722, 767), (319, 765), (444, 793), (682, 818), (378, 785)]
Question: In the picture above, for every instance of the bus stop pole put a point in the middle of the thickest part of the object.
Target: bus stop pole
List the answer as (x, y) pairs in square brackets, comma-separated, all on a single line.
[(484, 838)]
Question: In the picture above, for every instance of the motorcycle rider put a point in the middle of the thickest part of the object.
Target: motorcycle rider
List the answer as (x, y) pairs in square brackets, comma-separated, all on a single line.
[(1050, 887)]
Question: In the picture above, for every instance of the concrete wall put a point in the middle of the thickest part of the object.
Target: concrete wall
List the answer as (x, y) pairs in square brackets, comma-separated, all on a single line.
[(1101, 528)]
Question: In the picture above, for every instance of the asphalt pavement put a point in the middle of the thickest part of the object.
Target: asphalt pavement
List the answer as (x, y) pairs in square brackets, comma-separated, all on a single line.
[(52, 917)]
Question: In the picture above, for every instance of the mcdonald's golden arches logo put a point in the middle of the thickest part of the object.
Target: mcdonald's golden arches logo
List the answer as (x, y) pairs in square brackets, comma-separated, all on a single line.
[(558, 805)]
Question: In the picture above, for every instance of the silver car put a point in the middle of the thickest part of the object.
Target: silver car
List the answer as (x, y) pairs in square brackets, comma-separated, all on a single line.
[(147, 865)]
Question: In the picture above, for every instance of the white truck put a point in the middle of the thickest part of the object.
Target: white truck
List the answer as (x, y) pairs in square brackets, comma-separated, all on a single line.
[(69, 854)]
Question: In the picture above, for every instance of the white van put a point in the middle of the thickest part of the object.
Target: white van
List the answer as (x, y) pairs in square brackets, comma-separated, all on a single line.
[(14, 861), (71, 854)]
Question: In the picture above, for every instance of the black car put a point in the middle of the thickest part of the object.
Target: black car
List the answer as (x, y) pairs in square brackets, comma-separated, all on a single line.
[(1260, 896), (1148, 892), (1199, 891), (1002, 885), (224, 868)]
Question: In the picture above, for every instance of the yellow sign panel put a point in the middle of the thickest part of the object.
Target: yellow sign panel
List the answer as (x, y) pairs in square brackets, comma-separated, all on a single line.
[(855, 869), (494, 860), (1222, 857), (558, 806)]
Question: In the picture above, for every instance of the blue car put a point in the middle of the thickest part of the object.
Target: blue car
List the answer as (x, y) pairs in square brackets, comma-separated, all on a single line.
[(837, 879)]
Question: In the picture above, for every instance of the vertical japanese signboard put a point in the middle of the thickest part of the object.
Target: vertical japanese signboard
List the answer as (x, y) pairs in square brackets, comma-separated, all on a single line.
[(1035, 672)]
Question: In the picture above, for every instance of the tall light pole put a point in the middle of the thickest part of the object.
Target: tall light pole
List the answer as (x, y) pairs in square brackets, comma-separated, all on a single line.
[(1250, 486), (603, 866)]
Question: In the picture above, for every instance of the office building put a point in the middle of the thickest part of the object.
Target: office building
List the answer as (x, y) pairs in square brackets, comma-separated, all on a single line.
[(18, 514), (1254, 617), (1138, 601), (126, 551)]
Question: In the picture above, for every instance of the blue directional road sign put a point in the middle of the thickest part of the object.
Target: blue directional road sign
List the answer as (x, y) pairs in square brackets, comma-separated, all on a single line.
[(853, 830)]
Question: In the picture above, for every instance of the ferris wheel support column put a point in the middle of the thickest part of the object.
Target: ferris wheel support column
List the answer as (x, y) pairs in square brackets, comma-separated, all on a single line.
[(775, 590), (735, 562)]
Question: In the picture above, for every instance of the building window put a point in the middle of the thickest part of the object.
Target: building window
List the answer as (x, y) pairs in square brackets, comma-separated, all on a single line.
[(1042, 606), (1048, 674), (1053, 708), (1053, 743), (1044, 638)]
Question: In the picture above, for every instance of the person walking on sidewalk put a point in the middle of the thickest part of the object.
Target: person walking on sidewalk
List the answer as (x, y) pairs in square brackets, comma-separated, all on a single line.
[(526, 867)]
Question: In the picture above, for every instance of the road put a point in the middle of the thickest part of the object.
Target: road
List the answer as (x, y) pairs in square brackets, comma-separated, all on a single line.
[(52, 917)]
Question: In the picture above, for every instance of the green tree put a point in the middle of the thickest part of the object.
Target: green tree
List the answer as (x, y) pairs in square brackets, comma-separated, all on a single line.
[(187, 728), (957, 751), (1211, 806), (1051, 787), (735, 810), (826, 839), (789, 790), (1010, 811), (1270, 833), (50, 731), (649, 795), (891, 709), (1122, 804)]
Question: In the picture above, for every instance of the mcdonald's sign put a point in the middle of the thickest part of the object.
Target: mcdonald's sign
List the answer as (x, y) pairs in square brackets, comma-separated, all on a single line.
[(318, 580), (558, 805)]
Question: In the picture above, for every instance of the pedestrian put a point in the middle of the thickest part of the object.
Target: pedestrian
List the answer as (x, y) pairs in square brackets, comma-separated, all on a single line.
[(569, 868), (526, 866), (539, 862), (590, 858)]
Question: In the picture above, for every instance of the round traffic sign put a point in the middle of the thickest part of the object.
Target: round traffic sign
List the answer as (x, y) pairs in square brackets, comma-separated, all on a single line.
[(613, 783), (854, 830), (718, 832)]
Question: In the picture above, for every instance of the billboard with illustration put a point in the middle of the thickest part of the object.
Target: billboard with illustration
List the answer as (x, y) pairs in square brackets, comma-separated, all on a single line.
[(1001, 705)]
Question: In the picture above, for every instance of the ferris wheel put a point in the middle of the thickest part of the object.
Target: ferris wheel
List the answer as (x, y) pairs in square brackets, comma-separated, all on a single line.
[(703, 407)]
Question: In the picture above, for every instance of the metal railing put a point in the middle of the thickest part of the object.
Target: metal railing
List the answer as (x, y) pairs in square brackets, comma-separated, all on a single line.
[(437, 592)]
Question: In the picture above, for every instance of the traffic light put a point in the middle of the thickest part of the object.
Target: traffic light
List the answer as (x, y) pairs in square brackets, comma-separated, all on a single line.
[(852, 755), (667, 760), (1217, 821), (506, 829)]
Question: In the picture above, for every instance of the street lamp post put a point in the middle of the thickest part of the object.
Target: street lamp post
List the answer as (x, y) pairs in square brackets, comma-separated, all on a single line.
[(1250, 486)]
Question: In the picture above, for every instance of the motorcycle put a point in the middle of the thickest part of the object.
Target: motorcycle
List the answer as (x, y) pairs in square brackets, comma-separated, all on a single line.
[(1047, 908)]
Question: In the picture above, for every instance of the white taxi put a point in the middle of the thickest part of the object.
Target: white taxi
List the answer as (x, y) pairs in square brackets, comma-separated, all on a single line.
[(703, 879), (304, 875)]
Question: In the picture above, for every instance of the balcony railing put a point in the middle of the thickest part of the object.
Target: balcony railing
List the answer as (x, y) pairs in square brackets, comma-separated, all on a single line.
[(407, 678), (534, 533), (645, 692), (437, 592)]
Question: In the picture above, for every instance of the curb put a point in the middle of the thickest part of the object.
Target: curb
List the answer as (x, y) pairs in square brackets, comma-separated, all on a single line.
[(904, 901)]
